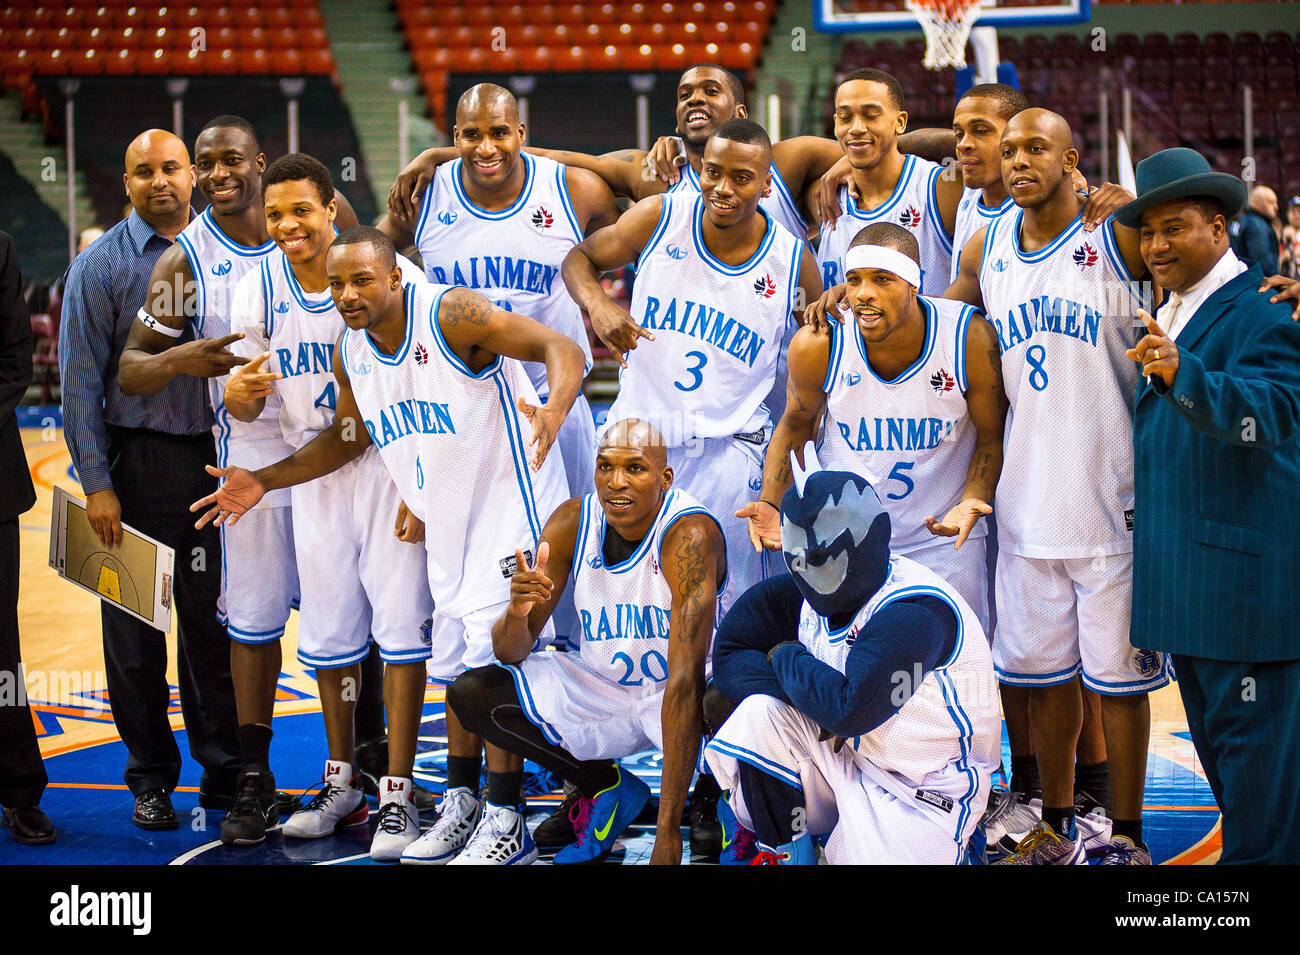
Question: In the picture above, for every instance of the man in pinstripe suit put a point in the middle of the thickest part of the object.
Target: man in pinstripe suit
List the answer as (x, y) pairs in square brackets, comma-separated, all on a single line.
[(1217, 462)]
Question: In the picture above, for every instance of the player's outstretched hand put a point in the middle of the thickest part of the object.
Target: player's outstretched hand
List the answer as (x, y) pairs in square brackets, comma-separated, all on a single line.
[(1156, 351), (207, 357), (1287, 290), (825, 197), (617, 329), (827, 308), (1102, 203), (666, 157), (959, 521), (764, 525), (250, 382), (408, 528), (546, 423), (238, 494), (530, 586)]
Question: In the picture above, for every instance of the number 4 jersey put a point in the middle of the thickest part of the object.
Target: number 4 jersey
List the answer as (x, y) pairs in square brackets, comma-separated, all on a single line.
[(1064, 316)]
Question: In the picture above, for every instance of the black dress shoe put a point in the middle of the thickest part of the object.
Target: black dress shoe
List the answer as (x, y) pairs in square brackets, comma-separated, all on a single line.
[(30, 826), (153, 810)]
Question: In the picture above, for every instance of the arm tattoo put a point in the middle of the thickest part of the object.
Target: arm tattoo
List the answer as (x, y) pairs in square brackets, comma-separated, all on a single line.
[(463, 308), (625, 155), (690, 575)]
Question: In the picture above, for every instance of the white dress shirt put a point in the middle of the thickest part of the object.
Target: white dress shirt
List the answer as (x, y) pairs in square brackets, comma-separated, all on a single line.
[(1179, 310)]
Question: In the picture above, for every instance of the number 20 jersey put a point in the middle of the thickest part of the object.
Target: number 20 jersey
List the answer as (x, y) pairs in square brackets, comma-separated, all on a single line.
[(1064, 317), (718, 328)]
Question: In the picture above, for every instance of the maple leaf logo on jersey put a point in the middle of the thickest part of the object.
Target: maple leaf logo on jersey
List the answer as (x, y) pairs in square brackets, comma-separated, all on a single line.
[(1085, 255), (421, 355), (909, 217), (542, 219), (765, 286), (941, 381)]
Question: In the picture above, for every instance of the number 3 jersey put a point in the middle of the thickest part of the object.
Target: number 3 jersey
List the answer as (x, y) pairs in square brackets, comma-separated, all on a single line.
[(456, 445), (300, 330), (718, 328), (910, 437), (1064, 317)]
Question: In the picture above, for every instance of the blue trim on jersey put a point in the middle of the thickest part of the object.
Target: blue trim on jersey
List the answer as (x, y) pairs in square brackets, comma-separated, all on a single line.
[(405, 656), (963, 329), (1031, 258), (834, 354), (268, 321), (334, 662), (690, 179), (787, 200), (697, 234), (448, 354), (1038, 679), (292, 281), (527, 704), (641, 548), (423, 217), (966, 735), (561, 184), (931, 333), (871, 215), (580, 545), (244, 250), (399, 356), (761, 763), (506, 213), (992, 212), (796, 260), (200, 307), (932, 210), (1110, 246), (990, 231), (697, 510), (518, 453), (1129, 687), (656, 235)]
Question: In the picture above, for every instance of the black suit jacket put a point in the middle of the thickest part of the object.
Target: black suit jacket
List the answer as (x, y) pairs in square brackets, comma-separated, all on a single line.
[(16, 492)]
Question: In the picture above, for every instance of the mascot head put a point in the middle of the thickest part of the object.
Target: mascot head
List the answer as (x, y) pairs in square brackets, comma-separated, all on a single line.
[(835, 536)]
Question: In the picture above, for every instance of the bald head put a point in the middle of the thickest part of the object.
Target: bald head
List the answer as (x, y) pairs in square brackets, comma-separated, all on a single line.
[(1038, 158), (636, 435), (487, 96), (1264, 201), (1044, 123), (159, 180)]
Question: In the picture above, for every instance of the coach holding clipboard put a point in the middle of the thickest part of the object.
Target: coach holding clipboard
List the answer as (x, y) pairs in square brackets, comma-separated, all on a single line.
[(1217, 475)]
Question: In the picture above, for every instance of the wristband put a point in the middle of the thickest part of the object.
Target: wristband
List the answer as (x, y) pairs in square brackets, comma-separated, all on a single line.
[(763, 500), (151, 323)]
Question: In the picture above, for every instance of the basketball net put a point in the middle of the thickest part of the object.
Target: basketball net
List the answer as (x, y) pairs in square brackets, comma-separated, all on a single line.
[(947, 25)]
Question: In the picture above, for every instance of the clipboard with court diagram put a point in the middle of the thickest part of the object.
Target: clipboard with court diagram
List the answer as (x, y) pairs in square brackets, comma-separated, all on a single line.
[(136, 577)]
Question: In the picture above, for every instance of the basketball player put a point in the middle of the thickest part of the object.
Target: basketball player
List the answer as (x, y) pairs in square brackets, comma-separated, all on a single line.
[(434, 364), (717, 282), (805, 656), (913, 403), (647, 562), (193, 284), (1063, 304), (357, 581)]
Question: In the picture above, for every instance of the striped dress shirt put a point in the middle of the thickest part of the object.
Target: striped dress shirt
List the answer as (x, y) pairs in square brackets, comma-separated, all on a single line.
[(103, 289)]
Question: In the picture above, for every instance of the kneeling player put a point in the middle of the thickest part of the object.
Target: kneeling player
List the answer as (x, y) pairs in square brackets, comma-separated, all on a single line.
[(647, 563), (875, 651)]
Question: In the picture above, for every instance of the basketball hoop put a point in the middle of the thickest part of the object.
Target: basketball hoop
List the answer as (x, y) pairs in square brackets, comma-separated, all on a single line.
[(947, 25)]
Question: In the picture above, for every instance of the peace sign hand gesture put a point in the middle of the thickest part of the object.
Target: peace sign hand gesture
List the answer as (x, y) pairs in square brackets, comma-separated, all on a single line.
[(529, 586)]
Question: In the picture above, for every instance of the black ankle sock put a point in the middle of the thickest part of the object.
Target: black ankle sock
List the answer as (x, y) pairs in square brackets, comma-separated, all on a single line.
[(463, 773), (596, 775), (1095, 781), (1060, 820), (1130, 828), (254, 748), (1024, 776), (503, 789)]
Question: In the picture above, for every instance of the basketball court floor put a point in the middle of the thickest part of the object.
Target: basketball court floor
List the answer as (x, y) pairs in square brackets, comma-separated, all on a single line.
[(84, 756)]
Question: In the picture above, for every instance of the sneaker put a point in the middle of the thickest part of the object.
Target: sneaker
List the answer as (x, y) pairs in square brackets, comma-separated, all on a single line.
[(459, 814), (1124, 851), (1004, 831), (1044, 847), (706, 831), (738, 843), (1094, 823), (598, 822), (339, 803), (398, 823), (801, 851), (254, 811), (556, 830), (500, 838)]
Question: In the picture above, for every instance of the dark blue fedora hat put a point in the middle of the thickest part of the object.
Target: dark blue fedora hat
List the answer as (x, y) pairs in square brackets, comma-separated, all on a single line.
[(1180, 173)]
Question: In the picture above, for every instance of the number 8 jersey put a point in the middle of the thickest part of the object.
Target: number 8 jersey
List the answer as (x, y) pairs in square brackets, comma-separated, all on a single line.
[(718, 328), (1064, 316)]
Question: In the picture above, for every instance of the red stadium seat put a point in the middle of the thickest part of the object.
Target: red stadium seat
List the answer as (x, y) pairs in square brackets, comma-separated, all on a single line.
[(633, 12), (281, 38), (254, 61), (313, 38), (535, 59), (420, 18), (160, 16), (86, 63), (481, 17), (252, 38), (470, 59), (286, 62), (432, 58), (278, 17), (125, 38), (121, 62), (17, 67), (98, 17), (571, 59), (739, 56), (52, 62), (524, 35), (153, 61), (187, 62), (317, 62), (671, 57), (224, 62), (594, 34), (39, 17), (573, 13), (513, 16), (190, 17), (558, 34), (605, 13)]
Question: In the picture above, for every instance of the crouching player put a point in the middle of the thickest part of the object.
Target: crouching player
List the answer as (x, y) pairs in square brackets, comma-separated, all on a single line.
[(868, 706), (646, 564)]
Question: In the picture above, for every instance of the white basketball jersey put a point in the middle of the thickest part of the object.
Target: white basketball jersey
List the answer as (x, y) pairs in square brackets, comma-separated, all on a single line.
[(946, 736), (779, 203), (456, 446), (718, 328), (299, 329), (218, 263), (972, 215), (513, 255), (912, 437), (911, 205), (624, 608), (1064, 317)]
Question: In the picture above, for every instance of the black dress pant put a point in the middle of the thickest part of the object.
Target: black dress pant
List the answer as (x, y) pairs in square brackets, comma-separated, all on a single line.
[(156, 477), (22, 774)]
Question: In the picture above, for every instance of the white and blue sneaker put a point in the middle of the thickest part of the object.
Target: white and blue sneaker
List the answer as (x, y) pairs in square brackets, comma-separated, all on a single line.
[(738, 844), (598, 822), (500, 838), (458, 815)]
